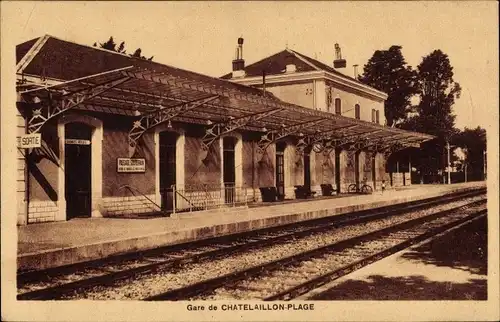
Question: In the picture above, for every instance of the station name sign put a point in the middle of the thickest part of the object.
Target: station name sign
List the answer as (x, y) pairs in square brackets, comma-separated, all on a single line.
[(129, 165), (28, 141)]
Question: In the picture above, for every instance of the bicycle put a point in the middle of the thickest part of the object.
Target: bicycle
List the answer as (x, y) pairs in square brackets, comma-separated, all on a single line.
[(365, 188)]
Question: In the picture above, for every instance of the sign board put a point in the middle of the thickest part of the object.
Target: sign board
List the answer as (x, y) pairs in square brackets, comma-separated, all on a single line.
[(131, 165), (28, 141), (77, 141)]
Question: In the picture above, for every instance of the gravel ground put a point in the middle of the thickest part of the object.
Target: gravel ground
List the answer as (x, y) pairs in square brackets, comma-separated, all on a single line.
[(277, 281), (148, 285)]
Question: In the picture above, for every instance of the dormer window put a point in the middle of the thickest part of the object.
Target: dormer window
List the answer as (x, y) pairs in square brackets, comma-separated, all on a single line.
[(338, 106), (357, 112)]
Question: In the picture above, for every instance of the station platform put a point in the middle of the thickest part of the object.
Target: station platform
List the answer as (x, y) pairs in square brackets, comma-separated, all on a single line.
[(449, 267), (54, 244)]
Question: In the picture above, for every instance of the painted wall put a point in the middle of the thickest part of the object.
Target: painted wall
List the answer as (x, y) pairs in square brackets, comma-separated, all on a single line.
[(266, 167), (199, 170), (349, 100), (249, 162), (298, 93), (115, 145), (43, 178)]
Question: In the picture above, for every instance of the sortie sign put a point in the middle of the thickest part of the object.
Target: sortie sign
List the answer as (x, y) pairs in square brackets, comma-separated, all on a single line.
[(28, 141), (131, 165)]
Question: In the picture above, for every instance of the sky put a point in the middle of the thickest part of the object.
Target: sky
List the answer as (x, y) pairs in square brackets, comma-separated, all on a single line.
[(201, 36)]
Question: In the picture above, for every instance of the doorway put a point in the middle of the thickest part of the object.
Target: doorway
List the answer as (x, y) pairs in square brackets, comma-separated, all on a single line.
[(280, 170), (307, 170), (356, 168), (374, 171), (229, 171), (167, 169), (337, 169), (78, 170)]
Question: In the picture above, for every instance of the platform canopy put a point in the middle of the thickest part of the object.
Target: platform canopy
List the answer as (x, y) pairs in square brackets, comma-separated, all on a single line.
[(166, 94)]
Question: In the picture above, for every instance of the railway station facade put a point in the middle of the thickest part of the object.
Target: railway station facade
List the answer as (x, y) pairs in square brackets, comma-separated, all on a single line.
[(123, 135)]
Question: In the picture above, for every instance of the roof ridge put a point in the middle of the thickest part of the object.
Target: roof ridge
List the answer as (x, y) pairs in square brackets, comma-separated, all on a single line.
[(299, 56), (153, 63), (265, 58), (93, 47), (32, 52)]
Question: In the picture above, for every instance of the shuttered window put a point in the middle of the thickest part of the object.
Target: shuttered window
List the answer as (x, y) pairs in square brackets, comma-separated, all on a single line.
[(357, 112), (338, 106)]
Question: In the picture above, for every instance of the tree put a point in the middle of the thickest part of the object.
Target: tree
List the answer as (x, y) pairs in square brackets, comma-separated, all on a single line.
[(473, 144), (388, 71), (111, 45), (437, 91), (433, 115), (137, 53)]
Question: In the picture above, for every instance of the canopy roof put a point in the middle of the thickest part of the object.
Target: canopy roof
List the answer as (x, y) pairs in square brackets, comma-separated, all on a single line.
[(147, 88)]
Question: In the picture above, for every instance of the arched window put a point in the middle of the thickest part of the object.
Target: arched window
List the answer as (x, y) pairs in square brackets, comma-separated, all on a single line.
[(338, 106), (357, 111)]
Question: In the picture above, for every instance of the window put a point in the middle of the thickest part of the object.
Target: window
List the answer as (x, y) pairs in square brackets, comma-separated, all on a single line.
[(357, 112), (377, 117), (338, 106), (373, 115)]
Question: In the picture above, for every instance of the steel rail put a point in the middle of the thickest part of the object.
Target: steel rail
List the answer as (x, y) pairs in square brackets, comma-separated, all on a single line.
[(336, 274), (210, 285), (244, 241)]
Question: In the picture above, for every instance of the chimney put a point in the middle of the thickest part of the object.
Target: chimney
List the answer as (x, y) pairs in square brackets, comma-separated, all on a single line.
[(338, 62), (239, 62), (290, 66), (355, 71)]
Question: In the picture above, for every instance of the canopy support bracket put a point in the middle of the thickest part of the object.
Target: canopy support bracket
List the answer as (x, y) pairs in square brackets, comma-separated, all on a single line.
[(163, 115), (219, 129), (272, 136), (52, 107)]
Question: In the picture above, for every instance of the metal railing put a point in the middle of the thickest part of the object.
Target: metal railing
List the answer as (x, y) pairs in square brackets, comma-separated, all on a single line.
[(204, 197), (134, 192)]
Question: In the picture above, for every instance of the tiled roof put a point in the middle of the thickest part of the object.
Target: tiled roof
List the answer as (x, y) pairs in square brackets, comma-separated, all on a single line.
[(23, 48), (64, 60), (276, 64), (324, 67)]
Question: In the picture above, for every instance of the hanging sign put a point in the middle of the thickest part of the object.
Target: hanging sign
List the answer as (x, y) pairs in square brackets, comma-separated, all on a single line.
[(28, 141), (131, 165), (77, 142)]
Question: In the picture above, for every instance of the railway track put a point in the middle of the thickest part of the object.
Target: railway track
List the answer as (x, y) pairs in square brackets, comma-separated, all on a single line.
[(290, 277), (57, 283)]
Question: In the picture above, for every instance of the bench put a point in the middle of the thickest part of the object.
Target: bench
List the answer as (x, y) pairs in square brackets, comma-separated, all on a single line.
[(327, 189), (302, 192), (268, 194)]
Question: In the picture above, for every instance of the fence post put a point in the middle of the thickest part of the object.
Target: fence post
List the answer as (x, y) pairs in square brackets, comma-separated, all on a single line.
[(246, 197), (174, 203), (233, 197), (205, 195)]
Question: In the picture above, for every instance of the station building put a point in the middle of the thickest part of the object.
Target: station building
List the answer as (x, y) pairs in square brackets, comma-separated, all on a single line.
[(123, 135)]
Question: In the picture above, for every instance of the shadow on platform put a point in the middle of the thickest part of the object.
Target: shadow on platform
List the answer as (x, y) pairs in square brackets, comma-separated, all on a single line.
[(414, 287), (464, 249)]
